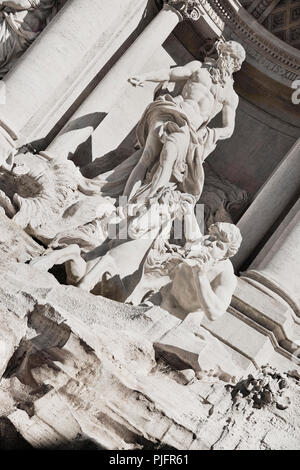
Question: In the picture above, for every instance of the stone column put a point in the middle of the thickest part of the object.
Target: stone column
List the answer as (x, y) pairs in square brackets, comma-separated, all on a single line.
[(110, 88), (267, 294), (277, 266), (61, 63), (273, 198)]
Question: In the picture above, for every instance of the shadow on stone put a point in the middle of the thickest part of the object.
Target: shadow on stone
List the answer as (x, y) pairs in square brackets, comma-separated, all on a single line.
[(10, 439)]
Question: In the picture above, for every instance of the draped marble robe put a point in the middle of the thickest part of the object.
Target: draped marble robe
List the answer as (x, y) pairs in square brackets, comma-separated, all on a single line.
[(193, 146)]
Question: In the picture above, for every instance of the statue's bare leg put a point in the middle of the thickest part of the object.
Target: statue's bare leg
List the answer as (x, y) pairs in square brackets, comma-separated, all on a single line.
[(150, 152), (168, 156), (70, 253), (163, 174)]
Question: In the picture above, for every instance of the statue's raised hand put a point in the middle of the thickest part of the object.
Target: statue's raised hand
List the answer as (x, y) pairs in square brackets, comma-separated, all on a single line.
[(136, 81)]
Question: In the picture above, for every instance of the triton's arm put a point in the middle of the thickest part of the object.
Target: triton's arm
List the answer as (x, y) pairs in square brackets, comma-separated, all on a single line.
[(167, 75), (216, 297)]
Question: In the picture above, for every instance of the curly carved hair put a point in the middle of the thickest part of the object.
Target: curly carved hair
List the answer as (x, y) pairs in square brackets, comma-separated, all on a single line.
[(235, 49), (229, 234)]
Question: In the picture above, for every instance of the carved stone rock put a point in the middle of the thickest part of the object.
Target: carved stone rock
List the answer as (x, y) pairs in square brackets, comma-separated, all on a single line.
[(223, 201), (266, 386), (91, 384)]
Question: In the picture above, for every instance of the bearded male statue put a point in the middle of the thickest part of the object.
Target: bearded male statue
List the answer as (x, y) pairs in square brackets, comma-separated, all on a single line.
[(173, 133), (202, 278), (202, 284)]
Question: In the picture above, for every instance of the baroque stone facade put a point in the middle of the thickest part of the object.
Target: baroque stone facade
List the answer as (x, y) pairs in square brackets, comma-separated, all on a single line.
[(148, 293)]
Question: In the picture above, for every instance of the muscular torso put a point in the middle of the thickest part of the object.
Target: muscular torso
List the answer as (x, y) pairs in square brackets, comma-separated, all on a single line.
[(201, 98)]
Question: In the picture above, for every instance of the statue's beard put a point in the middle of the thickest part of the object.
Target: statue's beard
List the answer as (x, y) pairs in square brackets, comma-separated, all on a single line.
[(204, 258), (159, 260), (223, 71)]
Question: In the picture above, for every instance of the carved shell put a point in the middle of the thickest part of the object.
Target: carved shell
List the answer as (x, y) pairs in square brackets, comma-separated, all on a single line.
[(45, 191)]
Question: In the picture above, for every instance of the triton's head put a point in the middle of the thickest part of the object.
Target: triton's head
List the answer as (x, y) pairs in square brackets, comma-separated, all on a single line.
[(223, 241)]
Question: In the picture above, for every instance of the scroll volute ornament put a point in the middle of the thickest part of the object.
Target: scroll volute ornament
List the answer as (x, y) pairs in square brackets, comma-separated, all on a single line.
[(189, 9)]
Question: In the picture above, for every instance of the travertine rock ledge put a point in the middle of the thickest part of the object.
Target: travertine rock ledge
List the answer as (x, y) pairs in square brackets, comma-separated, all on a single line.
[(80, 371)]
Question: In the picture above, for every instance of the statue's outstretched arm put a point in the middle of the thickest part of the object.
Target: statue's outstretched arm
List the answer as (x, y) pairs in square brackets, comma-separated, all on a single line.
[(167, 75)]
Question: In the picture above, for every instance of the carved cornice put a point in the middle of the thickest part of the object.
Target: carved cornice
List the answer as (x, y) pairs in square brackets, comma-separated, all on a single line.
[(265, 51), (263, 48), (211, 12)]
